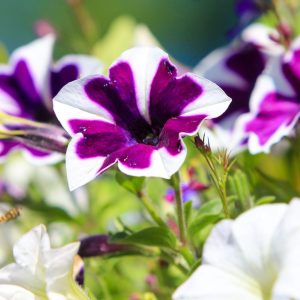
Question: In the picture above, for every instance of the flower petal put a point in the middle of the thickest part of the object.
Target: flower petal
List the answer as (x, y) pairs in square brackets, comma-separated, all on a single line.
[(285, 250), (274, 109), (277, 117), (210, 283), (37, 56), (12, 292), (260, 36), (6, 146), (40, 157), (72, 102), (72, 67), (19, 277), (27, 251), (175, 129), (212, 102), (245, 244), (59, 274), (145, 160), (143, 63), (94, 141)]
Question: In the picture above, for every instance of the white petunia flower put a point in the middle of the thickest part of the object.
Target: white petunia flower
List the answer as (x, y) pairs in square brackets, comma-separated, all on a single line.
[(255, 257), (40, 272)]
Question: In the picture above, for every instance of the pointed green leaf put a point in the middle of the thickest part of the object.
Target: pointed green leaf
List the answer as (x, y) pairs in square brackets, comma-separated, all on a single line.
[(152, 236)]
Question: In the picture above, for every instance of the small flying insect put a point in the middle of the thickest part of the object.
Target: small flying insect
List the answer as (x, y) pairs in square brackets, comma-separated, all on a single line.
[(11, 214)]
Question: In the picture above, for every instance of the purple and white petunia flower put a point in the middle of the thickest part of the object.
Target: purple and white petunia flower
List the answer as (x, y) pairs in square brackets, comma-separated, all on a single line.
[(275, 102), (136, 118), (235, 68), (28, 83)]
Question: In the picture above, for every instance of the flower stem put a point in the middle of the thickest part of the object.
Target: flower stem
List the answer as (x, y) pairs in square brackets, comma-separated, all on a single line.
[(151, 210), (175, 182)]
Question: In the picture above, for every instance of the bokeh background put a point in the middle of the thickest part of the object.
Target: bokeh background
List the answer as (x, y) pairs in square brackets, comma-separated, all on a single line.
[(187, 29)]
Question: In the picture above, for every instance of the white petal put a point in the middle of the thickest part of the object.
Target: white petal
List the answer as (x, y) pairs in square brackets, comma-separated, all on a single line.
[(259, 35), (212, 102), (66, 112), (80, 171), (38, 56), (285, 251), (27, 251), (246, 243), (12, 292), (73, 103), (59, 274), (18, 276), (209, 283)]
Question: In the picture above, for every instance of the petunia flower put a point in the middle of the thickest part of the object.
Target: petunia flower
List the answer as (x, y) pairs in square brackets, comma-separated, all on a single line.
[(137, 117), (255, 257), (235, 68), (39, 271), (28, 83), (275, 102)]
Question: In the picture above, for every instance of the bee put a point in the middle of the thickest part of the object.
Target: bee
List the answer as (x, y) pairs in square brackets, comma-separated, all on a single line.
[(11, 214)]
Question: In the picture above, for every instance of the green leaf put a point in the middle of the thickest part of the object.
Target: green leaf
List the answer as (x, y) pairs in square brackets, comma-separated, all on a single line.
[(203, 220), (188, 207), (265, 200), (152, 236), (130, 183), (211, 207)]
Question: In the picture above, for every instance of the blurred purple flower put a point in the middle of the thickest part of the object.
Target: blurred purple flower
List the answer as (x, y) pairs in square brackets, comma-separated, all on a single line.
[(11, 190), (235, 68), (28, 83), (275, 101), (190, 190), (98, 245)]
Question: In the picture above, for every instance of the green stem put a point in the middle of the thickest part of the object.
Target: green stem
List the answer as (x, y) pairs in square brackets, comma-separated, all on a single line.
[(221, 187), (151, 210), (175, 182)]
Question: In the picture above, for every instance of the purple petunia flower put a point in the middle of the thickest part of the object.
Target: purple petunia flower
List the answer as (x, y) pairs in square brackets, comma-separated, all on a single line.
[(235, 68), (136, 117), (275, 103), (28, 83)]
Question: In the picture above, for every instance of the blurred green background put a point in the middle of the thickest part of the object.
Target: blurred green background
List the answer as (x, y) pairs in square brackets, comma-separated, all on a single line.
[(187, 29)]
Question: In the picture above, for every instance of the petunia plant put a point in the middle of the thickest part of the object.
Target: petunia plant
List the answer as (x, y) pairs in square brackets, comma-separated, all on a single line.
[(161, 183)]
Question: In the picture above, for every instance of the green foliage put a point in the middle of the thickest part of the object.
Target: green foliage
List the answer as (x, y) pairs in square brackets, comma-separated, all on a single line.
[(151, 236), (130, 183), (201, 221), (118, 38)]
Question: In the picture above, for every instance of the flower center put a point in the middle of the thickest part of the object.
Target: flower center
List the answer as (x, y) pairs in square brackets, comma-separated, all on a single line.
[(151, 139)]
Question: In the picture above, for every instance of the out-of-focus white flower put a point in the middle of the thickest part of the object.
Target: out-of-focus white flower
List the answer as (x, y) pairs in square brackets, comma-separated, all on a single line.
[(255, 257), (39, 271)]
